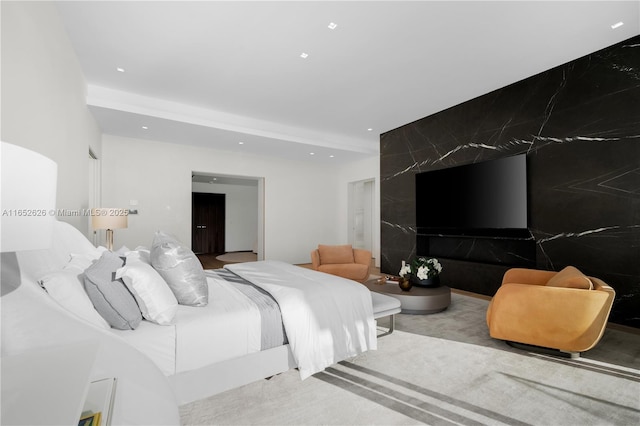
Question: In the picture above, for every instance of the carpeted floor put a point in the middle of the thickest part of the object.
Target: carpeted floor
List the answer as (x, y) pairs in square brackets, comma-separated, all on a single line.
[(444, 369)]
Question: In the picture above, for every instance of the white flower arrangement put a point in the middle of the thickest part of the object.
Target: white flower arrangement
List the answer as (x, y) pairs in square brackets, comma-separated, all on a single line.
[(422, 267)]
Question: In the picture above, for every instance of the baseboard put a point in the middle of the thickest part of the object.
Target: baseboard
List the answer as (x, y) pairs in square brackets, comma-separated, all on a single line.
[(625, 328)]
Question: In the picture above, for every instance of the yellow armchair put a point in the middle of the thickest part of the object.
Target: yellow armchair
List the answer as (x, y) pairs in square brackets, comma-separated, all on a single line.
[(342, 260), (564, 310)]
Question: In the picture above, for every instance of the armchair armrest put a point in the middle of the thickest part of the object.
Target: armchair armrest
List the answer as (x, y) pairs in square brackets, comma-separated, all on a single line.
[(600, 285), (362, 256), (315, 259)]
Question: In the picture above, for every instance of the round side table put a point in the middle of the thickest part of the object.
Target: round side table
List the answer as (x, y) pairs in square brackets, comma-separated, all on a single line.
[(418, 300)]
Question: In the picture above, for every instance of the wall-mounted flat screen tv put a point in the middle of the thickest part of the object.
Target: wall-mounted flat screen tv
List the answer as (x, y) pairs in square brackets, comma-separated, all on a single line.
[(480, 199)]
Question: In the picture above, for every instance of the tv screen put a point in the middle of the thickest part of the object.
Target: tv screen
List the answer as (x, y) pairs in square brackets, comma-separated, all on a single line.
[(473, 199)]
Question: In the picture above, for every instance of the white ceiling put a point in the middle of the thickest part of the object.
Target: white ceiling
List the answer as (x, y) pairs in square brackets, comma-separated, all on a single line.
[(215, 73)]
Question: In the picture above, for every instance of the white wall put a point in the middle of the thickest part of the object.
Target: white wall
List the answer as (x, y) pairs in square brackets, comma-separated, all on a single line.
[(43, 99), (43, 109), (305, 203), (241, 213)]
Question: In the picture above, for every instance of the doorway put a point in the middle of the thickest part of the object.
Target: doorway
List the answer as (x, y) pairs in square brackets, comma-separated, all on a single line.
[(361, 198), (207, 222), (244, 209)]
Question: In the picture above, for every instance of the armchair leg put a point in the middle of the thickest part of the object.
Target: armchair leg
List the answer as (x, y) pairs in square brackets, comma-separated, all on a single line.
[(542, 350)]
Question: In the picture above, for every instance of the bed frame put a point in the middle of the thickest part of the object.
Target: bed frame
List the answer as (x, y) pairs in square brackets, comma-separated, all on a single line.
[(212, 379)]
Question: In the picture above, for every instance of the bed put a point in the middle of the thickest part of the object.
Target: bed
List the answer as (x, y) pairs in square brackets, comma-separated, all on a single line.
[(50, 271), (322, 319)]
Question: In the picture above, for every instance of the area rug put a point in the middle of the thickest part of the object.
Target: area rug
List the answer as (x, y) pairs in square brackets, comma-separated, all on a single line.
[(444, 369), (238, 256)]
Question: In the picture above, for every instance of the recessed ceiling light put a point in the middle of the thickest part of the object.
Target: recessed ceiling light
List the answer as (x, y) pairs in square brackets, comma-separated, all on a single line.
[(331, 156), (617, 25), (145, 127), (240, 143), (304, 55), (369, 129), (120, 69), (332, 25), (312, 153)]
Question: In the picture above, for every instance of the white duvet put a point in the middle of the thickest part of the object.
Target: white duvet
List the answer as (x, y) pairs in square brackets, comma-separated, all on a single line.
[(327, 318)]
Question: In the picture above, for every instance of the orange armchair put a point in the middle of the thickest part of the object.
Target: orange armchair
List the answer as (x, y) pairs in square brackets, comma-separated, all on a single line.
[(342, 260), (564, 310)]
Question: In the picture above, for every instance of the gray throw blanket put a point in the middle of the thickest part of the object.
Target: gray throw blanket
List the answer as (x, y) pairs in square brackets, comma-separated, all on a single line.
[(272, 329)]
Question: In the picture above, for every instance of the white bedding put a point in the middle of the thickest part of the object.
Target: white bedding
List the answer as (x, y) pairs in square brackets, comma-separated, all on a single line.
[(228, 327), (327, 318), (158, 342)]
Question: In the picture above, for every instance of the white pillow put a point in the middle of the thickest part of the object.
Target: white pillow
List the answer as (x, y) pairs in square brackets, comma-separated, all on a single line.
[(80, 261), (83, 260), (140, 255), (181, 269), (122, 251), (66, 288), (155, 299)]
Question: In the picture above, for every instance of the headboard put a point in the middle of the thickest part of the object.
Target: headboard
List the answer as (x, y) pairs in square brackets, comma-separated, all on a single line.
[(67, 240)]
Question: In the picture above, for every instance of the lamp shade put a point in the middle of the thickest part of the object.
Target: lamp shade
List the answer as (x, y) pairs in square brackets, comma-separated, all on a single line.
[(109, 218), (28, 199)]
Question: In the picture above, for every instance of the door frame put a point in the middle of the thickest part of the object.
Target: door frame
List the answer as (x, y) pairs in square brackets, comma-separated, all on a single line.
[(369, 211), (261, 209), (95, 193)]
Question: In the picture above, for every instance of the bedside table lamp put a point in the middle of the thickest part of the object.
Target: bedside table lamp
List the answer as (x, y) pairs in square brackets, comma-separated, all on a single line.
[(28, 201), (109, 219)]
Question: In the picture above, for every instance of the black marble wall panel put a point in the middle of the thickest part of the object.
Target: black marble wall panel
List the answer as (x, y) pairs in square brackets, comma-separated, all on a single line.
[(579, 125)]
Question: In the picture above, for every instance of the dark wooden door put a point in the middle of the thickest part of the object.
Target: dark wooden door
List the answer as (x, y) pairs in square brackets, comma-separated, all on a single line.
[(207, 222)]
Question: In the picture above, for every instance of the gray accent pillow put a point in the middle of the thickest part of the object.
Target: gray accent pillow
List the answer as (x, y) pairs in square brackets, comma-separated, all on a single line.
[(110, 296), (181, 269)]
